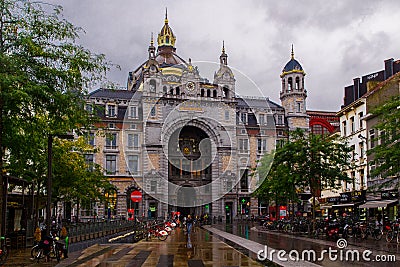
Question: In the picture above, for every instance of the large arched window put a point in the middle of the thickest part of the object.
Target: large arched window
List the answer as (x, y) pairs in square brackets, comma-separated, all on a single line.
[(290, 84), (152, 85), (208, 93), (297, 83), (226, 91)]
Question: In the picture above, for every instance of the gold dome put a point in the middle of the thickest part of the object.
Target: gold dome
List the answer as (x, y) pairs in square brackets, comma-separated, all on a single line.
[(166, 37)]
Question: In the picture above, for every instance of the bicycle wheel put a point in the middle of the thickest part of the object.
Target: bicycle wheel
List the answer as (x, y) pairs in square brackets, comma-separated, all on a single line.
[(3, 254), (389, 236), (162, 237), (37, 252), (378, 234), (364, 234)]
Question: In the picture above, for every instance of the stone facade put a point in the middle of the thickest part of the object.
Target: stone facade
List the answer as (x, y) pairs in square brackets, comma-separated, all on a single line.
[(188, 144)]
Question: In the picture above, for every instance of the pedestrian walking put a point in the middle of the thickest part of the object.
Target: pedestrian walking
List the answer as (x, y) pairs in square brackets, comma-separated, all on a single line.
[(189, 224)]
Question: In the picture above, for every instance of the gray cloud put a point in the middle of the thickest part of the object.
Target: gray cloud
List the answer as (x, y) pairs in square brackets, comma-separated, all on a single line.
[(335, 41)]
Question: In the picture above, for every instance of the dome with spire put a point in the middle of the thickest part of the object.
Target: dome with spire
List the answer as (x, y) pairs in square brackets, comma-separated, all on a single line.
[(166, 37), (292, 66)]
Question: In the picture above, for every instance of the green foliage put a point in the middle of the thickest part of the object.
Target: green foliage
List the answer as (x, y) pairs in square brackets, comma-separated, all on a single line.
[(307, 160), (44, 78), (386, 153), (74, 179)]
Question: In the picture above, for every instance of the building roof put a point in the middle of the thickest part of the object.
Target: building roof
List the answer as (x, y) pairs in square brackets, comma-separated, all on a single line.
[(256, 102), (112, 93), (293, 64)]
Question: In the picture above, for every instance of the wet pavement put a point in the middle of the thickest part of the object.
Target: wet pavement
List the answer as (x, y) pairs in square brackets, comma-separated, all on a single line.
[(201, 249), (216, 245), (288, 242)]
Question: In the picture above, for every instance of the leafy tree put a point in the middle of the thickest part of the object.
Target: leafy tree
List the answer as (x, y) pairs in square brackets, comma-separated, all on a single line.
[(386, 153), (306, 161), (44, 76), (76, 180)]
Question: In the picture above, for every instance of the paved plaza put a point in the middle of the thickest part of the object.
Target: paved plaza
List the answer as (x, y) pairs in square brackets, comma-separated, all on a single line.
[(225, 245)]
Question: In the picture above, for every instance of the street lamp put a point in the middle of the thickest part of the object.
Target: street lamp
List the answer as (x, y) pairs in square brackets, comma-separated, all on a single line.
[(49, 174)]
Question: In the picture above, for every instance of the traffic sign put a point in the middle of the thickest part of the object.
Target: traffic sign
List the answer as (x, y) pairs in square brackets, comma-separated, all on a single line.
[(136, 196)]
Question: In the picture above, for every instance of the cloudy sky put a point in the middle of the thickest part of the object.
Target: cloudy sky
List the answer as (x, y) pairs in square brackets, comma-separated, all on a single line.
[(335, 41)]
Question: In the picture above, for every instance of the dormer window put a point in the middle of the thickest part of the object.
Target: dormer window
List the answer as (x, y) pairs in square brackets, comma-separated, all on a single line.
[(243, 117), (111, 110)]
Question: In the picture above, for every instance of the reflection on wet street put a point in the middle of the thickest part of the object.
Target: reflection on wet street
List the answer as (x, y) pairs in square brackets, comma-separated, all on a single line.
[(289, 242)]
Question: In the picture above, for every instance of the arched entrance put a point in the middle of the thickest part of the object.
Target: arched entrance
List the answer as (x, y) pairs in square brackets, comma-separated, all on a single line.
[(189, 166)]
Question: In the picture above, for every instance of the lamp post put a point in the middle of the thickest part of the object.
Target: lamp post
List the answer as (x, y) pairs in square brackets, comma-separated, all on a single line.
[(49, 174)]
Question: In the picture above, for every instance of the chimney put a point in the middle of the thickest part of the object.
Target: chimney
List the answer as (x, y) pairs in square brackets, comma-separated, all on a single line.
[(356, 88), (388, 68)]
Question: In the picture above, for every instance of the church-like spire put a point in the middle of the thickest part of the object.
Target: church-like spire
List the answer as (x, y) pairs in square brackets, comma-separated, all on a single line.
[(152, 49), (292, 54), (223, 59)]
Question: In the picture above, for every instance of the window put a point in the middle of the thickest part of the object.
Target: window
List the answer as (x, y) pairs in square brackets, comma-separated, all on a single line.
[(215, 93), (297, 83), (382, 137), (243, 145), (111, 164), (111, 125), (261, 119), (229, 185), (152, 86), (360, 122), (133, 126), (226, 91), (133, 141), (111, 141), (227, 115), (280, 120), (89, 161), (344, 126), (202, 92), (353, 152), (111, 111), (243, 117), (290, 83), (165, 90), (372, 138), (153, 112), (208, 93), (90, 138), (153, 186), (298, 107), (133, 112), (261, 145), (244, 183), (352, 126), (178, 91), (361, 144), (89, 108), (133, 164)]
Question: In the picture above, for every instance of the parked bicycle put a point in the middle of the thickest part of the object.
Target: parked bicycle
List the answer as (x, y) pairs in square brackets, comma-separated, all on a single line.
[(156, 232), (393, 231), (374, 230), (3, 250)]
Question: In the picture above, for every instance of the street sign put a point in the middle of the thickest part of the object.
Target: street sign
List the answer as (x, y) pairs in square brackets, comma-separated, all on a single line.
[(136, 196)]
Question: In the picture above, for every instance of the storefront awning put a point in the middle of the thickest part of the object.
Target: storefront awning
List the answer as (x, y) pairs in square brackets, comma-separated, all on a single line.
[(378, 203), (344, 205), (325, 206)]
